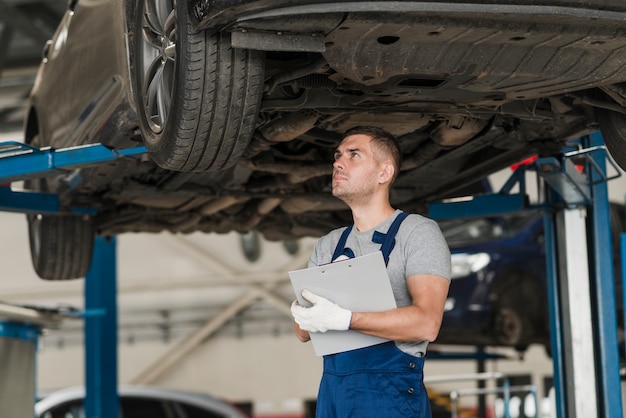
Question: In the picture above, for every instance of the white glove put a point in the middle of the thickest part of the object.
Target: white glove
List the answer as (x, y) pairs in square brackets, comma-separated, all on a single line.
[(323, 316)]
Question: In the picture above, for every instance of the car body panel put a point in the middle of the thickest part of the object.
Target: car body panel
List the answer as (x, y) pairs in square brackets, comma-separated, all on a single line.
[(85, 102), (220, 14), (73, 398)]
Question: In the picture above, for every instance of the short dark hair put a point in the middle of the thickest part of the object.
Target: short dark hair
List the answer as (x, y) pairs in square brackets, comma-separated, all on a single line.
[(384, 141)]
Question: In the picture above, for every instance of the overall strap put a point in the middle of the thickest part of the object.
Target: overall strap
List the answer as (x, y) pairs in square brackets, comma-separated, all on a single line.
[(341, 245), (388, 240)]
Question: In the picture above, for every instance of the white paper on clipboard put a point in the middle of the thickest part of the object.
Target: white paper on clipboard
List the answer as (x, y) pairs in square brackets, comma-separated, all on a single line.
[(359, 284)]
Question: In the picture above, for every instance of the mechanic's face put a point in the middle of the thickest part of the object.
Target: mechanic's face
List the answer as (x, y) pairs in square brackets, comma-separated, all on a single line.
[(355, 170)]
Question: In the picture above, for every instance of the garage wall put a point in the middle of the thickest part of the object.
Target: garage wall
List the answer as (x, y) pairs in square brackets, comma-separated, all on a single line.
[(274, 373)]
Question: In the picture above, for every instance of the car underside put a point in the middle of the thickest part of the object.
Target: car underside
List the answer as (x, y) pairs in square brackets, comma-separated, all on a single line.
[(468, 88), (466, 96)]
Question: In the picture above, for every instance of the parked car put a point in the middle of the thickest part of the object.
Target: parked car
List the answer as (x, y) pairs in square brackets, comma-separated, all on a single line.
[(241, 104), (140, 402), (498, 295)]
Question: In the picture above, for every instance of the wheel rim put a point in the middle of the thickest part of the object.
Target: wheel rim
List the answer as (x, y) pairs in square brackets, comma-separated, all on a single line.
[(509, 326), (156, 61)]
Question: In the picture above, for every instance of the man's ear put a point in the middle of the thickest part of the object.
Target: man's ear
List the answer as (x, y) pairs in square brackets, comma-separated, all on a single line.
[(387, 172)]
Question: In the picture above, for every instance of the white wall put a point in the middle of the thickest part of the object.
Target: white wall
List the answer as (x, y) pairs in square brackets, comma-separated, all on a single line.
[(276, 373)]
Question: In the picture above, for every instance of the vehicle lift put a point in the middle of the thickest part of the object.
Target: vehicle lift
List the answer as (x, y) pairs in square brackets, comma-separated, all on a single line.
[(581, 289), (19, 161), (583, 312)]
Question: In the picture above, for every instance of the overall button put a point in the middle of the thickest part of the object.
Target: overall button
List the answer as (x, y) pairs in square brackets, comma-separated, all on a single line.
[(412, 365), (411, 390)]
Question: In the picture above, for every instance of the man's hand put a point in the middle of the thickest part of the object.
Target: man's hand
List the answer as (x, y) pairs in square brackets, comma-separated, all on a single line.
[(323, 316)]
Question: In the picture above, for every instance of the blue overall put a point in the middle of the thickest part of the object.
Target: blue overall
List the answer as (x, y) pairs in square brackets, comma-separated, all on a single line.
[(380, 381)]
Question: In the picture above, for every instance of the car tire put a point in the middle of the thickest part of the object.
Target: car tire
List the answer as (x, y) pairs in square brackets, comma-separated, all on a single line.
[(512, 324), (197, 97), (61, 246), (613, 128)]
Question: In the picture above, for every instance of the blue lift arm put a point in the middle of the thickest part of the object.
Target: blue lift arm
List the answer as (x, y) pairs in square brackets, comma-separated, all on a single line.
[(19, 161)]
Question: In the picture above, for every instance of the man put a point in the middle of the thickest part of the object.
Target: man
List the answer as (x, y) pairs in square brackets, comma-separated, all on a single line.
[(384, 380)]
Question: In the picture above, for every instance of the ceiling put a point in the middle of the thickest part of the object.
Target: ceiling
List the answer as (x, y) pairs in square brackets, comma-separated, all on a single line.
[(25, 26)]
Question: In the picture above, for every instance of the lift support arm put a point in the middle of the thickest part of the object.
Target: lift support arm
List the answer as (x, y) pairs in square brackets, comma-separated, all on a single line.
[(27, 162)]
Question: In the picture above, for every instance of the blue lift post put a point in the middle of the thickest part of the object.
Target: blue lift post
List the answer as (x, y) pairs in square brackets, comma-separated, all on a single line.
[(556, 333), (591, 190), (569, 358), (101, 372), (622, 243), (570, 188), (604, 281)]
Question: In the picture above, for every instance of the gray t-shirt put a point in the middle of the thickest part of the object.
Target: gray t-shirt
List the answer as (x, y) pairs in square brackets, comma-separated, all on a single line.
[(420, 248)]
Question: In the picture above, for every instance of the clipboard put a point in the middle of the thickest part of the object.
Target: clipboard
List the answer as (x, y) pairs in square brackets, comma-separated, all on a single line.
[(359, 284)]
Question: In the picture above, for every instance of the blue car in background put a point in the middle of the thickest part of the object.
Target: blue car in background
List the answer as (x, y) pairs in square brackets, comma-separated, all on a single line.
[(498, 295)]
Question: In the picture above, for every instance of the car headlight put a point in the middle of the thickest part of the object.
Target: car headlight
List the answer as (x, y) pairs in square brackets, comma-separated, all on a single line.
[(465, 264)]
